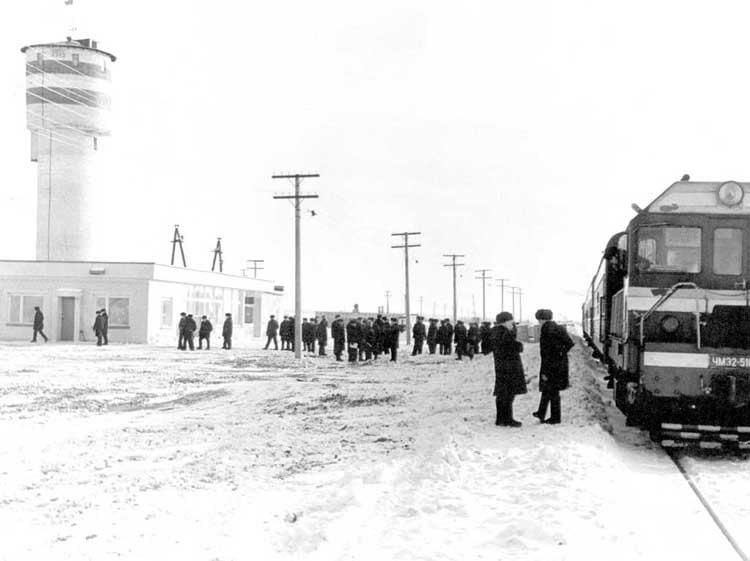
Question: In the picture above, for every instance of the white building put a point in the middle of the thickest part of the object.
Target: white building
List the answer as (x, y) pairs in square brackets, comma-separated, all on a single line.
[(68, 101), (143, 300)]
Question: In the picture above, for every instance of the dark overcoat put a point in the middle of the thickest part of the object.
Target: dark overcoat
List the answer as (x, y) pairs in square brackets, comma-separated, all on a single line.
[(554, 344), (226, 330), (38, 320), (432, 334), (206, 328), (509, 375), (337, 331), (321, 332), (272, 328)]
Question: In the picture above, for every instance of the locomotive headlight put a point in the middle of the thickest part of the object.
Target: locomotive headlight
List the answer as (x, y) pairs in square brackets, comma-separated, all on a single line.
[(730, 193), (670, 324)]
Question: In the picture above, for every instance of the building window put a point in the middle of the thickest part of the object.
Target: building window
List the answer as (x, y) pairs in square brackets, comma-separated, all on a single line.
[(249, 309), (76, 59), (21, 308), (166, 312), (118, 310), (727, 251)]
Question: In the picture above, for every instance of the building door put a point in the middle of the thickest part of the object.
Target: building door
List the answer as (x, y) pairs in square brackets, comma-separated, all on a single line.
[(67, 318)]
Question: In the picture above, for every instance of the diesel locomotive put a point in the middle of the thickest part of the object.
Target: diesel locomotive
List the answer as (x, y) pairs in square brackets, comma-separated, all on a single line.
[(668, 313)]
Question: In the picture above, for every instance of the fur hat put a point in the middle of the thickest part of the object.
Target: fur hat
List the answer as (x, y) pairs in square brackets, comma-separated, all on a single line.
[(543, 314), (502, 317)]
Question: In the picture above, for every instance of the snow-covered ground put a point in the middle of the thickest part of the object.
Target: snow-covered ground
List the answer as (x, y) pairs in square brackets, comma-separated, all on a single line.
[(133, 452)]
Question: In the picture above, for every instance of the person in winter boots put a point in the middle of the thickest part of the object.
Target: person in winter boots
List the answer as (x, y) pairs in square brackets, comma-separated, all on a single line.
[(554, 345)]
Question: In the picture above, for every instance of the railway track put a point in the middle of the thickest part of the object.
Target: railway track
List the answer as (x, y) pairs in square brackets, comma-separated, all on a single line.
[(673, 455)]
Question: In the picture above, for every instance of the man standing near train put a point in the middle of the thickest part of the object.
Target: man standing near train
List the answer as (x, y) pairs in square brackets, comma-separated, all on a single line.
[(554, 344)]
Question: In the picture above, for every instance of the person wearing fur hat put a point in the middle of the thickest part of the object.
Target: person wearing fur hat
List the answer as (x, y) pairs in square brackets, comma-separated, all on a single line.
[(509, 375), (554, 344)]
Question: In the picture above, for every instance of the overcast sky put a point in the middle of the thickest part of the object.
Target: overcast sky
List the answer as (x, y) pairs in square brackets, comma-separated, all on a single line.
[(516, 133)]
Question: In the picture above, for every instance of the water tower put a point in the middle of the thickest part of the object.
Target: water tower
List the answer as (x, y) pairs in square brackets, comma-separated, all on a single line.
[(68, 107)]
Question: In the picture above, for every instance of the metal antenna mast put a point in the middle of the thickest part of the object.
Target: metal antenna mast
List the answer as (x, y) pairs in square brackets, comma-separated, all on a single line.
[(297, 253), (387, 301), (453, 264), (218, 255), (177, 239), (483, 278), (406, 247)]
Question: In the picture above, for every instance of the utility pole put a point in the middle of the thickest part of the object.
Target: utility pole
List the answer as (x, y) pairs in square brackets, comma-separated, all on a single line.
[(483, 278), (502, 293), (406, 247), (255, 266), (513, 299), (218, 255), (388, 302), (453, 264), (421, 302), (297, 253), (177, 239), (520, 305)]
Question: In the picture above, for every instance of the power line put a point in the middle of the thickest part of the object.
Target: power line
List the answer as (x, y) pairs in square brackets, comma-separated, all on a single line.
[(297, 253), (218, 254), (406, 247), (453, 264), (483, 278)]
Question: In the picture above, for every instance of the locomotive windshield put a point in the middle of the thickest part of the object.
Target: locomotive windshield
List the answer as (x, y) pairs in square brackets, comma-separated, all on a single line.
[(669, 249)]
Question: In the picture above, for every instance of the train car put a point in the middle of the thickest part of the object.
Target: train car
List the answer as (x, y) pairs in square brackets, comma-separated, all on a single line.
[(668, 313)]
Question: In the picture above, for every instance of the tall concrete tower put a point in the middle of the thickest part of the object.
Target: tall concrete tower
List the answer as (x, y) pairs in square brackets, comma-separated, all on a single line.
[(68, 106)]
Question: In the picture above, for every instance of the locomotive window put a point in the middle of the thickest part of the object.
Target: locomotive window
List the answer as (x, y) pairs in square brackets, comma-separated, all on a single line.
[(727, 251), (669, 249)]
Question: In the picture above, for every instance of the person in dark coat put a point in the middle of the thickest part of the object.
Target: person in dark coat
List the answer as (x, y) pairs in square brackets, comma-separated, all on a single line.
[(283, 328), (353, 339), (461, 340), (509, 376), (190, 328), (473, 339), (394, 334), (448, 349), (204, 333), (365, 352), (441, 337), (226, 332), (97, 327), (554, 345), (485, 335), (321, 334), (338, 334), (181, 331), (377, 333), (432, 334), (272, 330), (293, 333), (38, 325), (105, 326), (419, 333)]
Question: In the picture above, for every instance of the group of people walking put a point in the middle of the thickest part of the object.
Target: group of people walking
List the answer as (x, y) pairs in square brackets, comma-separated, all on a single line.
[(510, 380), (187, 327)]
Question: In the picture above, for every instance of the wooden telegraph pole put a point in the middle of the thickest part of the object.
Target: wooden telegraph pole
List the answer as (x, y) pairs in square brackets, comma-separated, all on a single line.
[(297, 253), (406, 247), (453, 264), (483, 278)]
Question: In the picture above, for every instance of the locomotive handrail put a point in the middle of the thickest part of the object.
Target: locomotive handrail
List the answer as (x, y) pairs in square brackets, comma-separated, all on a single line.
[(664, 297)]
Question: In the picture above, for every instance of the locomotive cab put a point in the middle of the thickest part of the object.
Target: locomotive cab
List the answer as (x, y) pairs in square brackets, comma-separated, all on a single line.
[(675, 310)]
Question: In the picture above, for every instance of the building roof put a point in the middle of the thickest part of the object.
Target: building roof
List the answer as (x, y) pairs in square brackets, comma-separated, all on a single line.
[(81, 44), (132, 270)]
